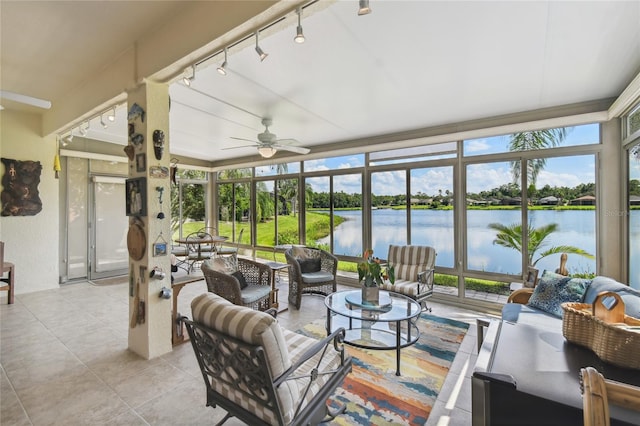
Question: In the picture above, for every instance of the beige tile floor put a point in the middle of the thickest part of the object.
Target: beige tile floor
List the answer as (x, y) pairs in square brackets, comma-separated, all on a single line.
[(64, 361)]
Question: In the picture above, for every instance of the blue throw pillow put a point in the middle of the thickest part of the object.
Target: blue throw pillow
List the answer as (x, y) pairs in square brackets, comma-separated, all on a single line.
[(554, 289)]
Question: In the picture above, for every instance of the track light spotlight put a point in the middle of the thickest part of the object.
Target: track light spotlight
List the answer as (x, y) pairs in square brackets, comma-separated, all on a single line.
[(364, 8), (68, 139), (188, 78), (83, 130), (102, 123), (222, 69), (112, 116), (299, 38), (260, 52)]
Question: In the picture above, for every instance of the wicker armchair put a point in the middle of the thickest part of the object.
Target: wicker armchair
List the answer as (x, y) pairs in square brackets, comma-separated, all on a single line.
[(304, 278), (225, 283)]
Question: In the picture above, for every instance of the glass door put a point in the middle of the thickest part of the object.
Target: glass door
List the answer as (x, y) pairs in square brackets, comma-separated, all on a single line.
[(108, 230)]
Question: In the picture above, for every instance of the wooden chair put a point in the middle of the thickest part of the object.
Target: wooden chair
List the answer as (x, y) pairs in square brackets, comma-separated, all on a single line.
[(224, 275), (260, 372), (10, 270), (311, 271), (414, 268), (598, 393)]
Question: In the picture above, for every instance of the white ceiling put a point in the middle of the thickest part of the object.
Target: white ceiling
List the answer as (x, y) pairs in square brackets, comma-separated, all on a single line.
[(408, 65)]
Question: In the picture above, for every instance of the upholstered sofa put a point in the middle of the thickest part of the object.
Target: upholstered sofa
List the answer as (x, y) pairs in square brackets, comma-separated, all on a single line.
[(540, 307)]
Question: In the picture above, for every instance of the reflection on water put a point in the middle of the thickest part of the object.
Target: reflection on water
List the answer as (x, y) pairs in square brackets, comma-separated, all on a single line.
[(435, 228)]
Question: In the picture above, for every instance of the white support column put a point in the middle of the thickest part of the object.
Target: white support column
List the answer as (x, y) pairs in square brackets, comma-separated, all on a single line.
[(148, 207), (611, 207)]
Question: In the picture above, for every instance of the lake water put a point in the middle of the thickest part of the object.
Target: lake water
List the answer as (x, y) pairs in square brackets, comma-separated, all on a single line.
[(436, 228)]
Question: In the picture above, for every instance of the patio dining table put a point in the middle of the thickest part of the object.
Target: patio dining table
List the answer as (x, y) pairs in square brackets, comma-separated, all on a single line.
[(198, 242)]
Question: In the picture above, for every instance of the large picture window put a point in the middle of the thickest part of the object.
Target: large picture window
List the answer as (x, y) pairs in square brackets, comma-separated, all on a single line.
[(492, 208)]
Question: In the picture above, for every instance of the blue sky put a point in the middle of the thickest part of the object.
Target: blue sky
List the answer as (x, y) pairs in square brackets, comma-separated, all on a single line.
[(561, 171)]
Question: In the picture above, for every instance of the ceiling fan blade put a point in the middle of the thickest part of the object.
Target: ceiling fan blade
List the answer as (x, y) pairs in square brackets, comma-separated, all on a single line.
[(24, 99), (296, 149), (243, 139), (287, 142), (238, 146)]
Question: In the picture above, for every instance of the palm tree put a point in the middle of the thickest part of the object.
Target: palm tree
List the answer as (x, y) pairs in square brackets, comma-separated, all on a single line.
[(510, 236), (526, 141)]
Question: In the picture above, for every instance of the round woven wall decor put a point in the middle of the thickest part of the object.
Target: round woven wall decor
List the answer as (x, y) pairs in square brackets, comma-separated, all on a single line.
[(136, 241)]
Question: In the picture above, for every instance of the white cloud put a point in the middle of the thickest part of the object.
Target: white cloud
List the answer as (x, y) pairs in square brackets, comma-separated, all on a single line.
[(476, 145), (429, 181), (315, 165), (558, 179), (388, 183), (351, 184), (483, 177)]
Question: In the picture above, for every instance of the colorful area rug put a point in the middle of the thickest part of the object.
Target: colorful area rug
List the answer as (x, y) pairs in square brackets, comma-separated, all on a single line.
[(374, 395)]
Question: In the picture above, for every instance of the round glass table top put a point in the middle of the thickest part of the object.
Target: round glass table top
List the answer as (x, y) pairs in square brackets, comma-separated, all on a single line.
[(396, 307)]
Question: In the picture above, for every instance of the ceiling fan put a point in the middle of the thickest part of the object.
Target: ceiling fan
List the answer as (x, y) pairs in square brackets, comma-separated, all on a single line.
[(268, 144)]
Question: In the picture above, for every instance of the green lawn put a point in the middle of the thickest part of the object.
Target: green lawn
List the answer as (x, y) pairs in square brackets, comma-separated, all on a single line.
[(318, 226)]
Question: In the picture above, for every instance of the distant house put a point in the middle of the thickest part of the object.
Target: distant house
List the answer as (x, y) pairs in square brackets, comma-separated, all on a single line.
[(548, 201), (587, 200), (424, 201), (509, 201), (471, 202), (634, 200)]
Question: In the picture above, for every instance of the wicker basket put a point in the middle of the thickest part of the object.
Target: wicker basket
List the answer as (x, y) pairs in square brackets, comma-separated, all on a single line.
[(605, 329)]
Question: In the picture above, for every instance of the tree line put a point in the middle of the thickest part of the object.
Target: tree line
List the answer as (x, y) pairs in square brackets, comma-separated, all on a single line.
[(321, 200)]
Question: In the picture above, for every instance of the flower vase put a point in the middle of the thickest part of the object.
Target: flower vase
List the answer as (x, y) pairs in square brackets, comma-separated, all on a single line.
[(371, 294)]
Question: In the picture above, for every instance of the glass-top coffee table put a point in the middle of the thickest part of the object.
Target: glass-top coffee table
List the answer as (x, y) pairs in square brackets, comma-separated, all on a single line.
[(391, 324)]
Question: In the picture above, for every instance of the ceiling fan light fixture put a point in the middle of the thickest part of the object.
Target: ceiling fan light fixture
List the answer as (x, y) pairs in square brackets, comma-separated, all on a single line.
[(299, 38), (261, 53), (112, 115), (364, 8), (267, 151), (222, 69)]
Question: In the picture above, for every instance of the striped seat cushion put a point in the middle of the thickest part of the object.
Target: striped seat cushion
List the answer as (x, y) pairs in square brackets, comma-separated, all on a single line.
[(298, 345), (255, 328), (409, 288), (408, 261)]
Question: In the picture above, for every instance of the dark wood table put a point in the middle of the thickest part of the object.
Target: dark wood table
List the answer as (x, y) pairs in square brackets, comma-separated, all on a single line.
[(275, 267), (526, 375), (178, 333)]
